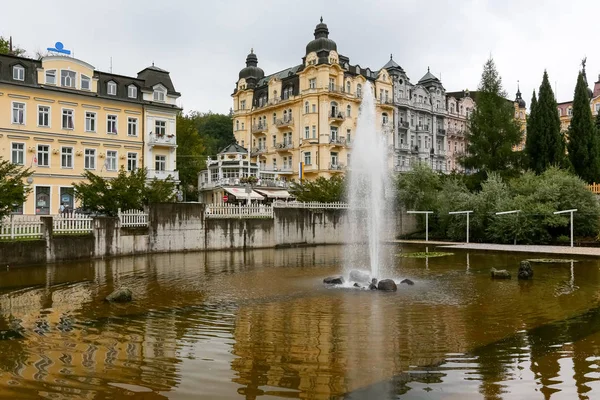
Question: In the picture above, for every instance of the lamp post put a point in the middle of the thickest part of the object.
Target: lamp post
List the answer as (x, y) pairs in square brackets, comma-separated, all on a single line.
[(511, 212), (426, 221), (463, 212), (570, 212)]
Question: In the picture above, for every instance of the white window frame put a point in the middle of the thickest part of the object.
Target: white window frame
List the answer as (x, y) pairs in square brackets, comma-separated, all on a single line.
[(64, 153), (48, 112), (132, 91), (159, 94), (312, 83), (47, 153), (110, 166), (132, 122), (18, 72), (111, 88), (162, 128), (130, 159), (72, 80), (62, 119), (15, 118), (85, 78), (91, 117), (160, 161), (307, 157), (89, 157), (52, 73), (112, 123), (22, 151)]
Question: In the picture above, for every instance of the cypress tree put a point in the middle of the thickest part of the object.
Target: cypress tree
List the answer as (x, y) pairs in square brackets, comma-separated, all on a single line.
[(548, 125), (493, 129), (532, 142), (583, 143)]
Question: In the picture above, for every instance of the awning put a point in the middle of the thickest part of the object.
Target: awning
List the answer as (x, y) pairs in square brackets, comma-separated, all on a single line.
[(241, 194), (275, 193)]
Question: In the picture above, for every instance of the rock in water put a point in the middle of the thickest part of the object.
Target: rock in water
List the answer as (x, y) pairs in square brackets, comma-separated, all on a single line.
[(356, 284), (525, 270), (407, 281), (500, 274), (334, 280), (122, 295), (387, 285), (359, 276), (373, 284)]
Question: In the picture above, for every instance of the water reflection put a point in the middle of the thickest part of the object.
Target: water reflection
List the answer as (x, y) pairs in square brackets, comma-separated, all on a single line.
[(232, 324)]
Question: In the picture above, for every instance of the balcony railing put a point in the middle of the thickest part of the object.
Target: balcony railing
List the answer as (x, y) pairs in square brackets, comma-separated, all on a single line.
[(337, 141), (261, 182), (283, 122), (258, 150), (423, 128), (403, 147), (162, 174), (403, 101), (385, 100), (336, 166), (403, 125), (338, 116), (258, 128), (165, 140), (441, 131), (284, 146), (387, 126)]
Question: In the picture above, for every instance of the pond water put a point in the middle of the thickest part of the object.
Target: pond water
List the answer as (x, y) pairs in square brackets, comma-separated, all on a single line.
[(260, 324)]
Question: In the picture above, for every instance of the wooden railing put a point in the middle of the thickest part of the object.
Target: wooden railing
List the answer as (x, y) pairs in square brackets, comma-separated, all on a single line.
[(20, 227), (594, 188), (225, 210), (133, 219), (71, 223)]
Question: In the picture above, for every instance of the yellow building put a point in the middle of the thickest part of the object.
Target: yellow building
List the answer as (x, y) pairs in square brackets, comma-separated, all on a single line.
[(307, 113), (60, 116)]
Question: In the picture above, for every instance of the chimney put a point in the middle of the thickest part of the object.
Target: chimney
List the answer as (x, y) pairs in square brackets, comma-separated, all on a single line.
[(10, 51)]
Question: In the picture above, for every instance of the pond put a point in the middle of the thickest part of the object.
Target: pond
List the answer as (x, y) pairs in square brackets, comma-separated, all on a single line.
[(260, 324)]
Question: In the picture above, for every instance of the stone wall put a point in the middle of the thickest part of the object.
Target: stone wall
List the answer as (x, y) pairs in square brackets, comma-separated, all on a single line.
[(176, 227)]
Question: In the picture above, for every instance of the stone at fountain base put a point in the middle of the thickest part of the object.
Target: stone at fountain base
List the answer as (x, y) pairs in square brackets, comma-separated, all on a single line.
[(387, 285), (373, 284), (407, 281), (334, 280), (500, 274), (359, 276)]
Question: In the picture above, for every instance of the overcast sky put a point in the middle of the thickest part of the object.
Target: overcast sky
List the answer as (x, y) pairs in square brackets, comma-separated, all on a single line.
[(204, 43)]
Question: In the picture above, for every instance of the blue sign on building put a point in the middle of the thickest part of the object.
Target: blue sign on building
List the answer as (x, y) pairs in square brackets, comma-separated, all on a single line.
[(59, 48)]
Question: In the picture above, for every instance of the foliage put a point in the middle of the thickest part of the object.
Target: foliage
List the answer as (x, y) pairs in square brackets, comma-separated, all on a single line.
[(5, 48), (493, 130), (545, 145), (583, 141), (431, 254), (215, 130), (249, 179), (191, 155), (321, 189), (13, 190), (127, 191)]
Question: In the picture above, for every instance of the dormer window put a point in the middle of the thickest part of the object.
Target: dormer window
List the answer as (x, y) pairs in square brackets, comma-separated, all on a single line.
[(132, 92), (18, 73), (159, 94), (86, 83), (111, 88), (51, 77), (67, 78)]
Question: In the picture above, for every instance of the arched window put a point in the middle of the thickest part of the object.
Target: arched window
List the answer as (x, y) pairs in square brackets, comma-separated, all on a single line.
[(384, 117), (348, 110), (359, 90), (306, 107), (237, 125), (274, 117), (334, 109), (348, 87), (285, 115)]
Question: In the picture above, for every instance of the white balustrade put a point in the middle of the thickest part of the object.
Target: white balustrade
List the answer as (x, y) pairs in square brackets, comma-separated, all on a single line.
[(133, 219), (20, 227), (71, 223), (224, 210)]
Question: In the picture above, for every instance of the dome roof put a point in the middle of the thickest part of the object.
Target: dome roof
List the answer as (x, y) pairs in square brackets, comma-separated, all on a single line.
[(321, 40), (251, 70), (519, 99)]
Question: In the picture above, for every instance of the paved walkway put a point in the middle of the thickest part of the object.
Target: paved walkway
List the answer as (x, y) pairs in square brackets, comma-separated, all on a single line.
[(577, 251)]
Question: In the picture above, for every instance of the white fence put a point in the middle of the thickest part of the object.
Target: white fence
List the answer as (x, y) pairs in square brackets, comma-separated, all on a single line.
[(71, 223), (133, 219), (312, 204), (21, 227), (225, 210)]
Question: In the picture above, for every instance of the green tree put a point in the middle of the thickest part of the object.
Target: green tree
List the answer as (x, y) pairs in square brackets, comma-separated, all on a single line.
[(191, 154), (13, 190), (493, 130), (533, 147), (321, 189), (128, 191), (215, 130), (5, 48), (583, 141)]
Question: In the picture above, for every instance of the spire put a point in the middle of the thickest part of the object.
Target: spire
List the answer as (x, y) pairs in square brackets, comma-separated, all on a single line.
[(251, 50), (321, 19), (518, 90), (390, 56), (428, 69)]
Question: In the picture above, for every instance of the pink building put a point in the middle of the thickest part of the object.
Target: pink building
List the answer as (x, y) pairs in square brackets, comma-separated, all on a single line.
[(459, 106)]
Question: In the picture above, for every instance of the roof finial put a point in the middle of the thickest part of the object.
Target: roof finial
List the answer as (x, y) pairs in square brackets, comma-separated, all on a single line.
[(251, 50), (390, 56), (321, 19), (153, 63), (427, 69)]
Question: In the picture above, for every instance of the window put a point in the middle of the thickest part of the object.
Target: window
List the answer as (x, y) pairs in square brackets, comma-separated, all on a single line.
[(18, 73), (237, 125), (42, 200), (111, 88), (111, 124), (43, 155), (242, 126), (307, 158), (132, 126), (314, 131), (160, 128), (314, 108), (89, 159), (131, 161), (18, 113), (86, 83), (380, 94), (333, 132), (306, 107), (348, 110), (160, 163), (275, 164), (306, 132), (66, 157), (159, 95), (132, 92), (18, 153), (67, 119), (312, 83), (111, 160), (359, 90), (90, 122), (348, 136), (275, 116), (559, 112), (570, 111), (43, 116), (348, 87), (384, 118), (274, 140), (243, 104), (331, 84), (334, 159), (67, 78), (51, 77)]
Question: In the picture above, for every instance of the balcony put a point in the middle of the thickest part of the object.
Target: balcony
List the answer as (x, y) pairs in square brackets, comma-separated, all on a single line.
[(336, 167), (402, 168), (423, 106), (422, 128), (441, 131), (284, 122), (285, 146), (403, 147), (162, 175), (336, 117), (286, 170), (162, 140), (403, 101), (257, 151), (403, 125), (337, 141), (387, 126), (439, 110), (259, 128), (386, 102)]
